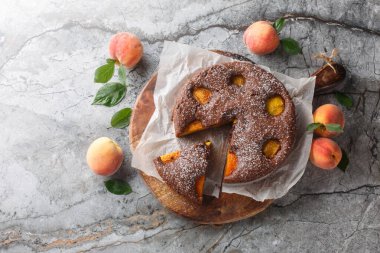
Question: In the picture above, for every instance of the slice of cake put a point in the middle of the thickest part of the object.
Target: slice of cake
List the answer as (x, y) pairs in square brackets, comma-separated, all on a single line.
[(184, 171)]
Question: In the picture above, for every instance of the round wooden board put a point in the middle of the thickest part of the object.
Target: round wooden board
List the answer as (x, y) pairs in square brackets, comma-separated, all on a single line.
[(227, 208)]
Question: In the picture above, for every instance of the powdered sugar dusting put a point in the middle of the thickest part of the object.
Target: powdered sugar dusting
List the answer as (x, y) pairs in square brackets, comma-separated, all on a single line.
[(183, 173), (246, 104)]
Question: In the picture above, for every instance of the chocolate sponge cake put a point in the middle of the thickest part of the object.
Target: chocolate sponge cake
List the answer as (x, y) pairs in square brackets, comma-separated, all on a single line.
[(184, 171), (257, 105)]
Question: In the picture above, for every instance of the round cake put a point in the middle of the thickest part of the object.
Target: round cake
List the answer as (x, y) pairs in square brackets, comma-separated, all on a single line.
[(257, 105)]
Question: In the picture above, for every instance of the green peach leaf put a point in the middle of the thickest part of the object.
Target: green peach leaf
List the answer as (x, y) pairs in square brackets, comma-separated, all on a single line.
[(334, 127), (110, 94), (122, 74), (104, 73), (118, 187), (343, 99), (121, 118), (279, 24), (343, 164), (290, 46), (312, 126)]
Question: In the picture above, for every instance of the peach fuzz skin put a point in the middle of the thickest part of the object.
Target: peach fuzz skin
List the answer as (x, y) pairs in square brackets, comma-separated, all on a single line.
[(261, 38), (104, 156), (126, 48), (325, 153), (328, 114)]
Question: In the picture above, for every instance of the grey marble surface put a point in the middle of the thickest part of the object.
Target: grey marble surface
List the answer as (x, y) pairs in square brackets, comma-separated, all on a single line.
[(49, 199)]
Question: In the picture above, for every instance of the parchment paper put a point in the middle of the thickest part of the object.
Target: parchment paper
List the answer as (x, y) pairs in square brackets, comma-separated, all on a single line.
[(178, 62)]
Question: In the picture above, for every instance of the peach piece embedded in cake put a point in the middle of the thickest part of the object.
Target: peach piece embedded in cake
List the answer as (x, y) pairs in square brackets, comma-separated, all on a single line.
[(231, 163), (202, 95)]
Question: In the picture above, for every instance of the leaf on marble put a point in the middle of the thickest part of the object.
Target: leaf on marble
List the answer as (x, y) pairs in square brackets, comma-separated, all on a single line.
[(110, 94), (279, 24), (109, 60), (290, 46), (118, 187), (104, 73), (312, 126), (343, 99), (343, 164), (121, 118), (334, 127), (122, 74)]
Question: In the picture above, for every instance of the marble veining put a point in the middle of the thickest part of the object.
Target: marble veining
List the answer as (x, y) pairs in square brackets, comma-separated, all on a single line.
[(51, 202)]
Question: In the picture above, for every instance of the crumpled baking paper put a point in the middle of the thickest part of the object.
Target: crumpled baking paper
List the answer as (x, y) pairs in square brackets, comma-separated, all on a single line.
[(178, 62)]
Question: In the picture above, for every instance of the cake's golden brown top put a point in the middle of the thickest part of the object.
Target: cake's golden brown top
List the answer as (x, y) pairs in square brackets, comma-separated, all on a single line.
[(257, 104), (184, 171)]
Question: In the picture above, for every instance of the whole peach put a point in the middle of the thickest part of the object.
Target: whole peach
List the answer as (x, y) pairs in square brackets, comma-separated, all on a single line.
[(261, 38), (126, 48), (328, 114), (325, 153), (104, 156)]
